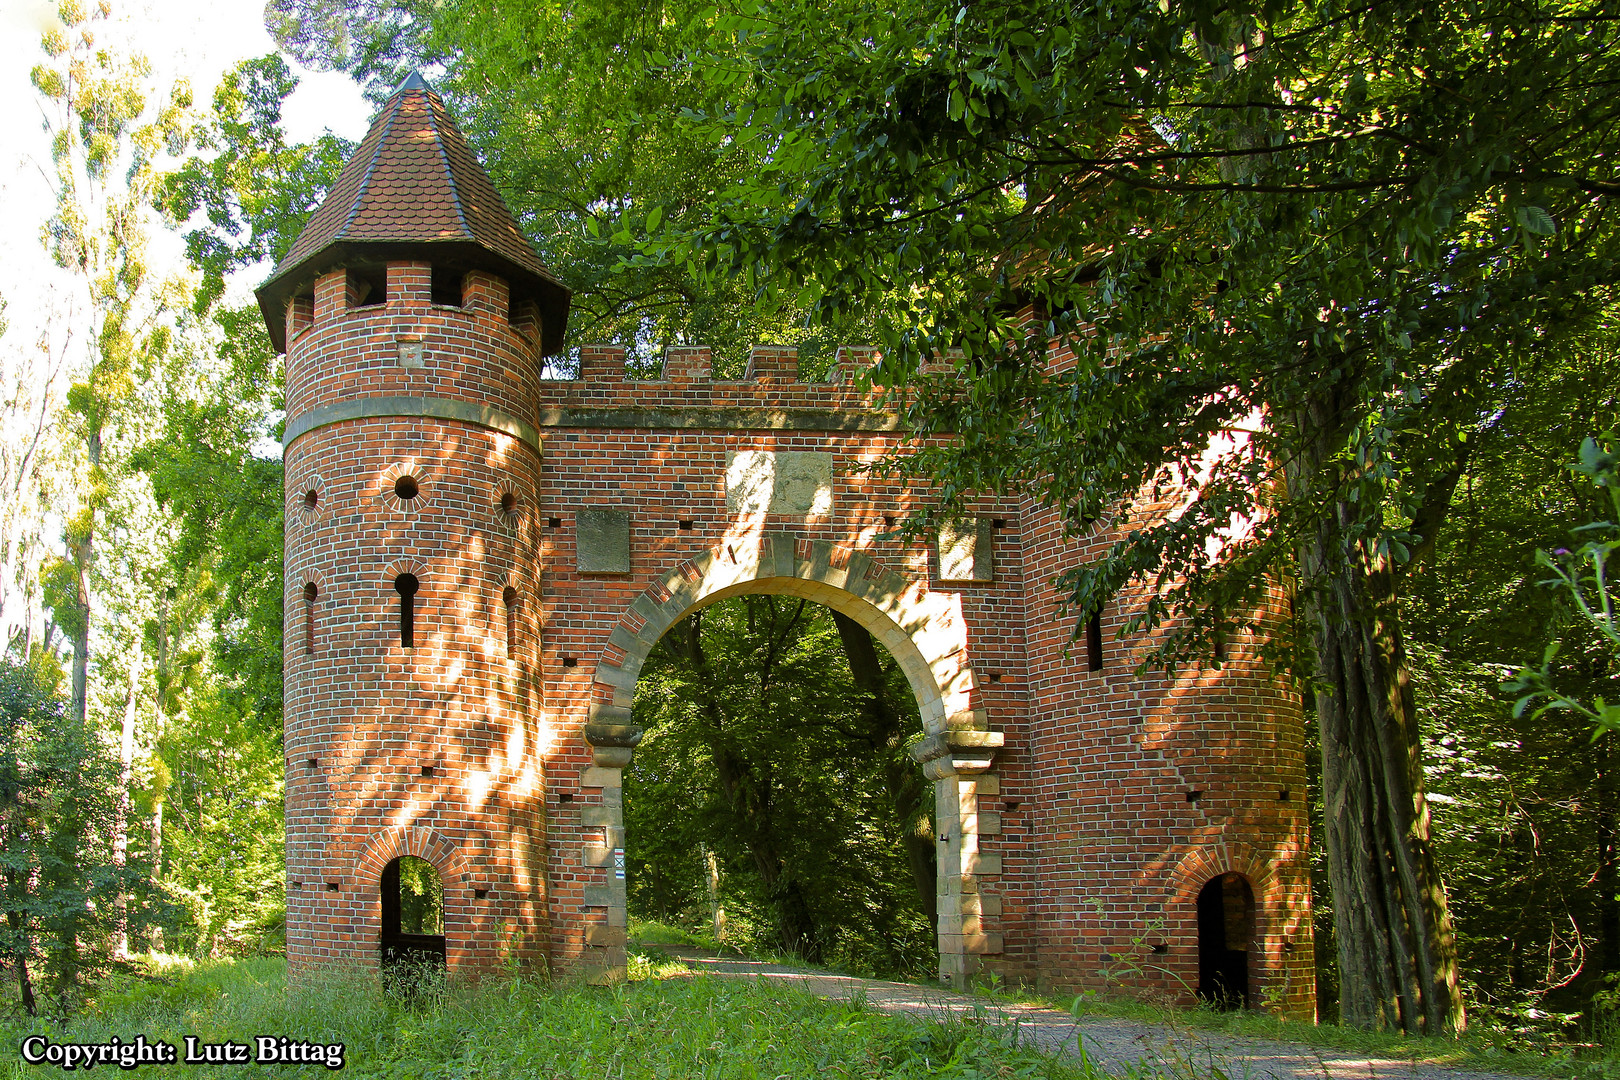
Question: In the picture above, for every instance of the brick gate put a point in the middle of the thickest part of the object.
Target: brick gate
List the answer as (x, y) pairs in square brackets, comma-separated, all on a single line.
[(479, 558)]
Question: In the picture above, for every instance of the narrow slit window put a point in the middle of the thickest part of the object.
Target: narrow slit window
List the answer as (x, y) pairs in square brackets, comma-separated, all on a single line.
[(310, 593), (406, 585), (1094, 643), (509, 600)]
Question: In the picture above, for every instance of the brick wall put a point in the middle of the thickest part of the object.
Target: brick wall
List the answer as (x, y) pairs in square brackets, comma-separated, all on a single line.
[(1079, 845)]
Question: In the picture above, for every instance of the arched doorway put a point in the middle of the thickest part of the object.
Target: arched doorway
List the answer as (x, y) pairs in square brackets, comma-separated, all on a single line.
[(923, 630), (774, 779), (1225, 932), (412, 936)]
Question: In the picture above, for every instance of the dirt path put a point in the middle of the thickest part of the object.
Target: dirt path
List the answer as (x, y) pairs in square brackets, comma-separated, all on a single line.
[(1121, 1047)]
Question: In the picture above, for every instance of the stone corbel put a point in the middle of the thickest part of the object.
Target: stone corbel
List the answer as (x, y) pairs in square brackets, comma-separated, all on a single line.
[(612, 735), (958, 752)]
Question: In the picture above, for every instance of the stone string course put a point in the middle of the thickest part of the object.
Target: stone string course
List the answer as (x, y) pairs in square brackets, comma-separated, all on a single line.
[(1072, 845)]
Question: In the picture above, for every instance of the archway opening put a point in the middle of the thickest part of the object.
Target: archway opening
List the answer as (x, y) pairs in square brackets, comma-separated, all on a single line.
[(1225, 931), (774, 801), (412, 940)]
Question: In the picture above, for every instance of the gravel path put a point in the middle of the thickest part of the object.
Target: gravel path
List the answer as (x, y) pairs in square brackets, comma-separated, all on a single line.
[(1121, 1047)]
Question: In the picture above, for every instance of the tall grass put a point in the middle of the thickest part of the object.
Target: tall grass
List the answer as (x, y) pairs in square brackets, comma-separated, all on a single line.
[(669, 1027)]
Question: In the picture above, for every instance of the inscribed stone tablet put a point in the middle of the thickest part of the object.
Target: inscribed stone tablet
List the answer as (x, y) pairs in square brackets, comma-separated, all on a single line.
[(602, 542), (779, 482)]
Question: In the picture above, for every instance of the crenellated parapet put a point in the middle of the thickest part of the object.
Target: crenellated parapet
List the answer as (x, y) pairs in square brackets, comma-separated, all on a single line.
[(685, 394)]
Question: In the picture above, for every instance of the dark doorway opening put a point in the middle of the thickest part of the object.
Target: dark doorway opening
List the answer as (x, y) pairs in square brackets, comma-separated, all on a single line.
[(1225, 928), (412, 941)]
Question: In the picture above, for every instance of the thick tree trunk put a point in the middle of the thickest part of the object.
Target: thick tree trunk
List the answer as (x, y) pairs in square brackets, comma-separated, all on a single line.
[(1397, 953)]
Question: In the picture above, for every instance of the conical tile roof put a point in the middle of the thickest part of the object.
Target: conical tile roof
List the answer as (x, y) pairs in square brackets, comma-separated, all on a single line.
[(414, 190)]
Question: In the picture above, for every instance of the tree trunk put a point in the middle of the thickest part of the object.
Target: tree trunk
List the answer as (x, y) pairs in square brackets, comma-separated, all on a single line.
[(910, 796), (748, 795), (126, 773), (1397, 954), (83, 547), (25, 982)]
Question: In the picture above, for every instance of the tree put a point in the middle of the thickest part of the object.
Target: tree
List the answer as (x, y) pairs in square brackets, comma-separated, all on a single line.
[(106, 138), (1355, 225), (59, 882)]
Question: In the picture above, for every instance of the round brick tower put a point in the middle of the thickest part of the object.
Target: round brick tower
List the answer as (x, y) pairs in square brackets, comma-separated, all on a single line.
[(415, 317)]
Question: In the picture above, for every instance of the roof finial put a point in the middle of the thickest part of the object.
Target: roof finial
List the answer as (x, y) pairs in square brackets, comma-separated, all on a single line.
[(413, 81)]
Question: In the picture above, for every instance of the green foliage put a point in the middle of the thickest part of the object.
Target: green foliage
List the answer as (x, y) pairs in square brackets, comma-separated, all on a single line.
[(421, 897), (1343, 231), (762, 748), (60, 883), (253, 190), (212, 468), (1583, 578), (682, 1027)]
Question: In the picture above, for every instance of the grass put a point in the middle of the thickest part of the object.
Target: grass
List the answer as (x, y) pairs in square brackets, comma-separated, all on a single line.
[(514, 1028)]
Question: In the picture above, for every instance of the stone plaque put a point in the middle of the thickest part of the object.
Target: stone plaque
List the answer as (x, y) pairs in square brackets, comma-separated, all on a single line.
[(602, 542), (779, 482), (966, 550)]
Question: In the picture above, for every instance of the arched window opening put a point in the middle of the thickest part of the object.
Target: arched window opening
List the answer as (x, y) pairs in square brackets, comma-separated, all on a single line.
[(406, 585), (412, 940), (1225, 929), (509, 599), (446, 287), (310, 593)]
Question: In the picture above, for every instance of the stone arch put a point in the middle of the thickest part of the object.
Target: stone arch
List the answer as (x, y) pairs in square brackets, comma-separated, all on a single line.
[(925, 633), (923, 630)]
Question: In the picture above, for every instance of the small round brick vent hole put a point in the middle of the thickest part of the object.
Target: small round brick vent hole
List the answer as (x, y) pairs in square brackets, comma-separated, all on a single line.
[(1194, 796), (405, 487), (427, 770), (312, 498), (481, 894), (570, 661), (508, 503), (553, 523)]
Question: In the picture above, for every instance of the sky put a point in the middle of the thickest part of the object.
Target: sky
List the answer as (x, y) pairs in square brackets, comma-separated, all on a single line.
[(195, 39)]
